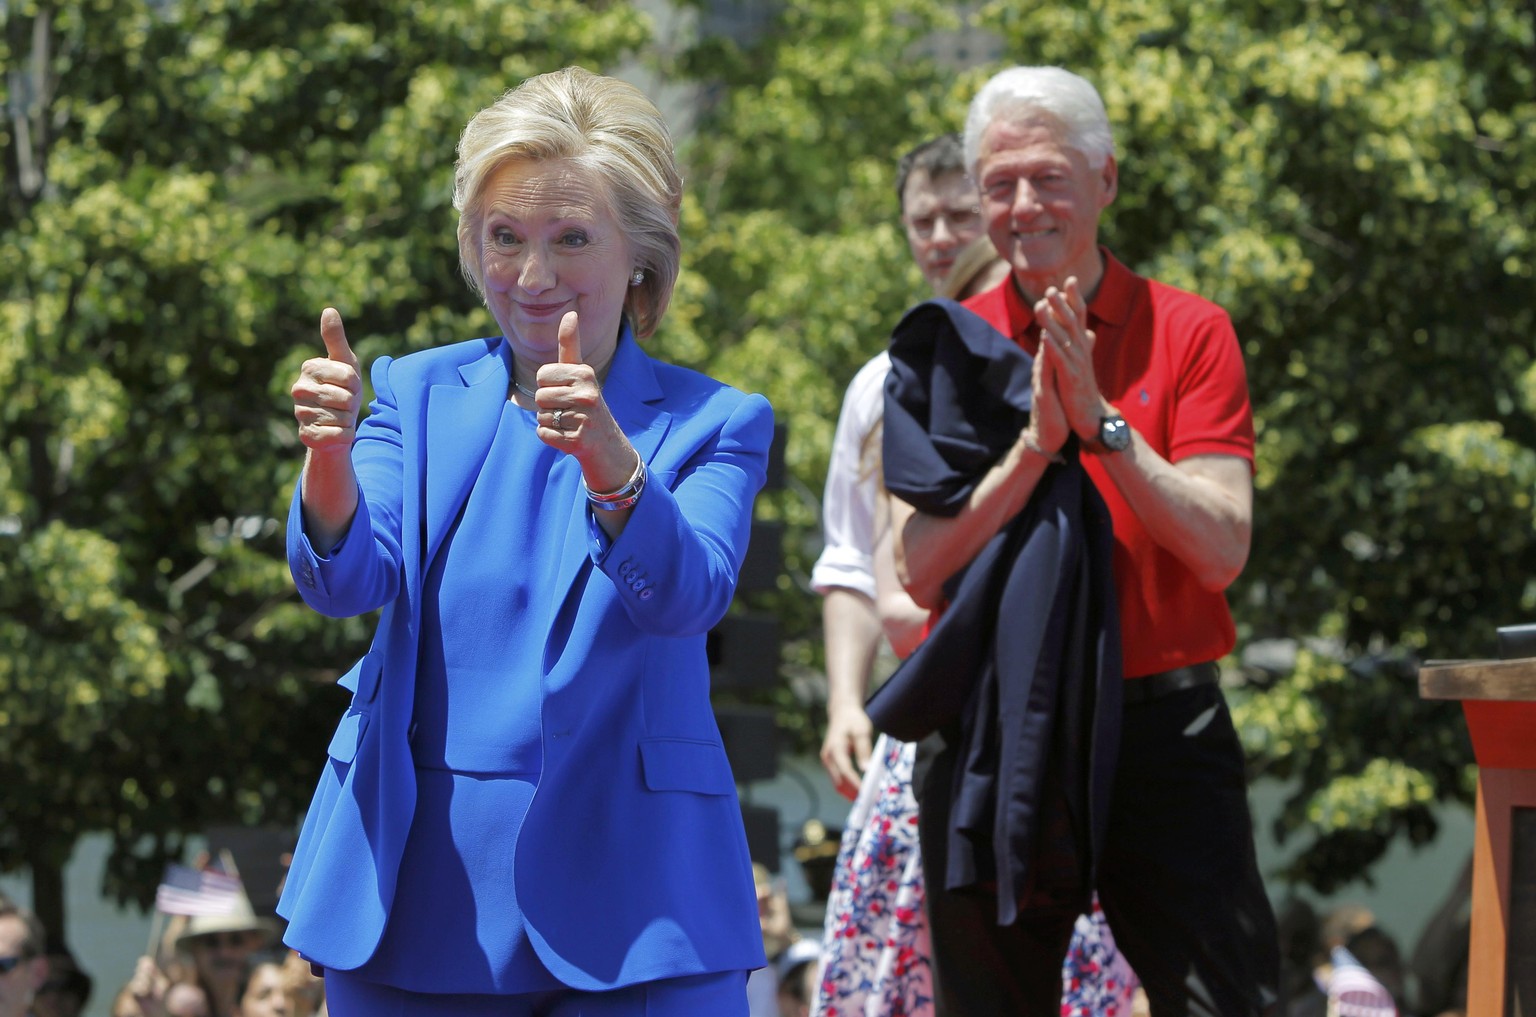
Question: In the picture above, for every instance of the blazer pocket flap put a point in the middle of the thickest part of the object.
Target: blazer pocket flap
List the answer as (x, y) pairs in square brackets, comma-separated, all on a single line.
[(348, 734), (680, 764)]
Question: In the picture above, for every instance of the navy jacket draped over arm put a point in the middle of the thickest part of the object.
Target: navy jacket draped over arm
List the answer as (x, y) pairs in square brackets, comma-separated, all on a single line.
[(1022, 671)]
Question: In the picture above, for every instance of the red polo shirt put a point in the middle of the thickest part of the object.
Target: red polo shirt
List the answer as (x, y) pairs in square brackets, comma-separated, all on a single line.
[(1170, 363)]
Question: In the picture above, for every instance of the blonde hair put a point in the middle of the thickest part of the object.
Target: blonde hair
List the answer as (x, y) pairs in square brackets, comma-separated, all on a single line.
[(970, 267), (605, 125)]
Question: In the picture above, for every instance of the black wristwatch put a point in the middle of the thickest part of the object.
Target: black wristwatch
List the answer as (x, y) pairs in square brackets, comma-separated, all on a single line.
[(1114, 433)]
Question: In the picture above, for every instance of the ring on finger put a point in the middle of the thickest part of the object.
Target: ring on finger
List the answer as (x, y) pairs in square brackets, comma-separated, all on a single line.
[(558, 423), (1066, 344)]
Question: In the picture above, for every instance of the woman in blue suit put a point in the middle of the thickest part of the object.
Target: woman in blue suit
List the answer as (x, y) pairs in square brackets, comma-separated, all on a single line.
[(527, 809)]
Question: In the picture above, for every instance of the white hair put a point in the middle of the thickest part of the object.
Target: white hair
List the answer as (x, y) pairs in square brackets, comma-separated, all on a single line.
[(1058, 93)]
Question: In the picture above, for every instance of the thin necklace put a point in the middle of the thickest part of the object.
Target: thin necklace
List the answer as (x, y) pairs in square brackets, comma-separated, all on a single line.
[(527, 393)]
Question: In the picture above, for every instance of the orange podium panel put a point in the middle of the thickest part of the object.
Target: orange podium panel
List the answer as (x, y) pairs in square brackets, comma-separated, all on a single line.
[(1499, 700)]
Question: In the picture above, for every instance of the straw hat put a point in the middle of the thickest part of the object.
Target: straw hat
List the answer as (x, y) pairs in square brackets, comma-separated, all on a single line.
[(242, 918)]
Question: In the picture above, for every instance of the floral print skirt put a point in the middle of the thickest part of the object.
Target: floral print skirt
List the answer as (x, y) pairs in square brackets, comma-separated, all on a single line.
[(1096, 979), (875, 942)]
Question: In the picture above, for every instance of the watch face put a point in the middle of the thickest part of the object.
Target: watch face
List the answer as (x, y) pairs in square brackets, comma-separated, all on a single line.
[(1115, 433)]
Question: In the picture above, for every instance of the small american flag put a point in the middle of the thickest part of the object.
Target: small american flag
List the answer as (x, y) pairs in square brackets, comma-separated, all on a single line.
[(188, 891)]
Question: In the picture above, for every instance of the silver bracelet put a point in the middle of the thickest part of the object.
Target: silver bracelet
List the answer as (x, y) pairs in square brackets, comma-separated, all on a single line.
[(625, 497)]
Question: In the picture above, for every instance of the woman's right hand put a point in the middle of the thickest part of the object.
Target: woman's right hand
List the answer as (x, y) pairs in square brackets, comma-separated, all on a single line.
[(847, 747), (329, 391), (326, 401)]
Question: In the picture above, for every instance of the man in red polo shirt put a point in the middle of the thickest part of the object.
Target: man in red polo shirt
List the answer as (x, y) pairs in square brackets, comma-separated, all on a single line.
[(1150, 379)]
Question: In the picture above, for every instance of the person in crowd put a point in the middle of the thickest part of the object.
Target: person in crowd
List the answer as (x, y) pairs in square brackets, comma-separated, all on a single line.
[(176, 989), (263, 989), (23, 967), (1071, 451), (1343, 980), (152, 992), (218, 946), (187, 999), (551, 522), (306, 990), (797, 970), (779, 936), (1374, 949), (67, 988), (876, 940)]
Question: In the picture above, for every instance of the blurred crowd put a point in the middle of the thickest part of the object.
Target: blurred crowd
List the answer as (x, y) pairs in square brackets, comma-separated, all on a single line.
[(221, 966), (1340, 962), (231, 964)]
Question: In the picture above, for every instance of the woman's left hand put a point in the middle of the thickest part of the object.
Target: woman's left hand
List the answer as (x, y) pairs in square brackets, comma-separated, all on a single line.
[(573, 417)]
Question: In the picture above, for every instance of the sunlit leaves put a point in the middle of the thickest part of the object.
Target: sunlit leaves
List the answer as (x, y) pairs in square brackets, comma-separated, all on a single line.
[(216, 173), (1355, 183)]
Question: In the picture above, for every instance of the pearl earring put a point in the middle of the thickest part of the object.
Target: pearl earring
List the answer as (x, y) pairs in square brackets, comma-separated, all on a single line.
[(638, 277)]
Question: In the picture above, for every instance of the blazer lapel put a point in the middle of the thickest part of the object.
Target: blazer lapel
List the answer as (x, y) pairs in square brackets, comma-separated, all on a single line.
[(461, 423)]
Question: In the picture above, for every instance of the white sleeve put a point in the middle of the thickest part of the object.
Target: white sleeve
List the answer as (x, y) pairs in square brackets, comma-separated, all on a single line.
[(848, 503)]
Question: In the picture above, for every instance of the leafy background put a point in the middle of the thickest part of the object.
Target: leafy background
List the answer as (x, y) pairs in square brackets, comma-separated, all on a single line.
[(188, 183)]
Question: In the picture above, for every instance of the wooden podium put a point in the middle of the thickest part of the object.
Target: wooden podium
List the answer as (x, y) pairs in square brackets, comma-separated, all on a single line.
[(1499, 698)]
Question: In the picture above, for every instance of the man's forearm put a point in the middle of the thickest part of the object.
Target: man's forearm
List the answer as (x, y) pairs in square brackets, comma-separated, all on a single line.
[(1200, 509), (930, 549)]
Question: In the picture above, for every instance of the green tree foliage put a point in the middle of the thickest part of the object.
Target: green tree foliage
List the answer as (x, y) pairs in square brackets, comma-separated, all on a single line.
[(186, 186), (188, 183), (797, 266)]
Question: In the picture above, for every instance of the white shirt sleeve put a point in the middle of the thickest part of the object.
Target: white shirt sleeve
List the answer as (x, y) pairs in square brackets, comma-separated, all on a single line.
[(848, 503)]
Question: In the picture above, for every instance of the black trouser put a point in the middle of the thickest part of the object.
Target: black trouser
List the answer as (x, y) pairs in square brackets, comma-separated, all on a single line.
[(1178, 881)]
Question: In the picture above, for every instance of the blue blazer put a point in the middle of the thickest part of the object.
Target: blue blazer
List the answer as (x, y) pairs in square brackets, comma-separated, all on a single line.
[(632, 862)]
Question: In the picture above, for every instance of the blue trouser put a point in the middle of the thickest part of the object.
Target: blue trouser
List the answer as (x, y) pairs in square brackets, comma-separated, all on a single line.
[(719, 995)]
